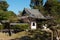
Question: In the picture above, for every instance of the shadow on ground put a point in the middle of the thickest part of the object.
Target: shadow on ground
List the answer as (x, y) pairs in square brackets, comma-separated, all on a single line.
[(23, 38)]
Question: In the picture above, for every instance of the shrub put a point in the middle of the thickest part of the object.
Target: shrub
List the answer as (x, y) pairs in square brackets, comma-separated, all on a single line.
[(20, 26), (58, 27), (26, 38), (41, 35), (1, 27)]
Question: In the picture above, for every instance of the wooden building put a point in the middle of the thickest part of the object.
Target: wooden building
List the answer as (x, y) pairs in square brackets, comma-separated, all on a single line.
[(32, 16)]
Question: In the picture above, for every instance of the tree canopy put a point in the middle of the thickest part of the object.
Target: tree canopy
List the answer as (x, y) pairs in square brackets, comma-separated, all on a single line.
[(36, 3), (8, 15), (5, 14), (51, 7), (3, 5)]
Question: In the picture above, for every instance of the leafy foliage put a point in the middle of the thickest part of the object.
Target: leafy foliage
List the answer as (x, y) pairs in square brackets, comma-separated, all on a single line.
[(51, 8), (20, 26), (37, 4), (3, 5), (7, 15), (1, 27), (40, 35)]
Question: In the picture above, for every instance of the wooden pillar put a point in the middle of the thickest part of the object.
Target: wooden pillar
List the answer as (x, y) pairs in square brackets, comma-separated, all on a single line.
[(51, 35), (8, 27)]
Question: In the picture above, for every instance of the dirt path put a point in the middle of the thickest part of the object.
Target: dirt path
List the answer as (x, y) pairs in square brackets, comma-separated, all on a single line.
[(5, 36)]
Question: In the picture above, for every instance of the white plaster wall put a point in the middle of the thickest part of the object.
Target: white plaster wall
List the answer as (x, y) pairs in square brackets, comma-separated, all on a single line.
[(33, 27)]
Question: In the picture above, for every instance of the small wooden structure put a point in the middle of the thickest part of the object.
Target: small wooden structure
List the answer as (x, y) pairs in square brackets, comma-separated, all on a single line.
[(32, 16)]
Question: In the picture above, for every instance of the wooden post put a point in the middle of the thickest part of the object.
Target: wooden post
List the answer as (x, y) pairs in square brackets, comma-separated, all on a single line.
[(8, 26), (51, 35)]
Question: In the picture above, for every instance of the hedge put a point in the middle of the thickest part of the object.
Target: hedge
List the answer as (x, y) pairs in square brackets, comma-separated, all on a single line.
[(20, 26), (1, 27)]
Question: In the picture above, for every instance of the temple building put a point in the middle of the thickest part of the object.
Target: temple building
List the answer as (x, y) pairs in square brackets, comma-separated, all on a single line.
[(33, 17)]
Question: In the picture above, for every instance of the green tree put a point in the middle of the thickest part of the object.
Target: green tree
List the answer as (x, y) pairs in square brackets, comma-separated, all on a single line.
[(52, 8), (3, 5), (5, 14), (37, 4), (8, 15)]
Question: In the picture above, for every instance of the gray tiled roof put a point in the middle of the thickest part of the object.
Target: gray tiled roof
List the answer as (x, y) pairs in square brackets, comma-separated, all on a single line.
[(34, 13)]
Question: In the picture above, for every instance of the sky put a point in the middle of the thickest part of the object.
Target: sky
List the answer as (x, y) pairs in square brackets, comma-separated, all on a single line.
[(18, 5)]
